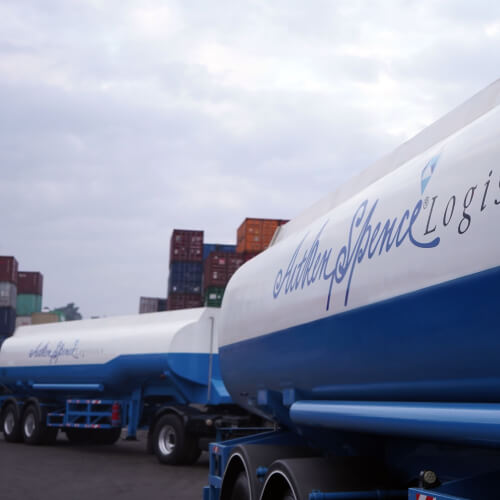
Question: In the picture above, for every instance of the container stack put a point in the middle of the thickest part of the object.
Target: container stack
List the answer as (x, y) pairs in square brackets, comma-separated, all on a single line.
[(29, 295), (8, 296), (218, 268), (152, 304), (185, 270)]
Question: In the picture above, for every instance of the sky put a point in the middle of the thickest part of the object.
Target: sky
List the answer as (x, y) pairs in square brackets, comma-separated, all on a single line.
[(122, 120)]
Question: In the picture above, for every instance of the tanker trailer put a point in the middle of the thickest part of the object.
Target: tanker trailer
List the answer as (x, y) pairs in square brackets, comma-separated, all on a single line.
[(90, 378), (369, 331)]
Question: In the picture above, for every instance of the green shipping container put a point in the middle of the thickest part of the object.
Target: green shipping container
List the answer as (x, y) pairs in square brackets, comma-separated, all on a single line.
[(28, 304), (213, 296)]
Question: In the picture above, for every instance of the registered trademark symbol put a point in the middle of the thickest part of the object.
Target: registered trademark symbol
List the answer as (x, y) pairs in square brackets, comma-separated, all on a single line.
[(426, 202)]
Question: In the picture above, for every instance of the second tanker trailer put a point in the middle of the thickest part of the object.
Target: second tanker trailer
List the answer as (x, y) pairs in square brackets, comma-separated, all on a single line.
[(90, 378)]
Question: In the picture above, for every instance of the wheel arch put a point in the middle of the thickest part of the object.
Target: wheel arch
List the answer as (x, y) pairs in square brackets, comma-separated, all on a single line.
[(234, 467), (275, 485)]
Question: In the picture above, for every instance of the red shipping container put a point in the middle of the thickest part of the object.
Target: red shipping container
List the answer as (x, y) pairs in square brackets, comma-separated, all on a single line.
[(30, 282), (186, 245), (250, 255), (234, 262), (177, 301), (215, 269), (8, 269), (193, 301)]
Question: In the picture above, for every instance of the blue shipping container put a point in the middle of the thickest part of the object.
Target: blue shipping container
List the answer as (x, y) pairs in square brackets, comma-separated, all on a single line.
[(216, 247), (7, 321), (185, 277)]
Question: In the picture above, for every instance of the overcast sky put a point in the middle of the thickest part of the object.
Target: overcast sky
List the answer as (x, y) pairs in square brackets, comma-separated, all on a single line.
[(120, 120)]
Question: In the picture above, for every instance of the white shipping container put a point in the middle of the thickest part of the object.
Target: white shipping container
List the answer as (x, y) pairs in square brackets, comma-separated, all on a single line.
[(8, 294), (23, 321)]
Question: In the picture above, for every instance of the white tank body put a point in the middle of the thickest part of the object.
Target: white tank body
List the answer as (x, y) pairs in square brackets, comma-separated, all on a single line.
[(386, 290), (118, 352)]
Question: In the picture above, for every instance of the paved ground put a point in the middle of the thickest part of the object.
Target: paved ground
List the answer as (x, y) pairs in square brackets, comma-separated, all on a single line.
[(69, 472)]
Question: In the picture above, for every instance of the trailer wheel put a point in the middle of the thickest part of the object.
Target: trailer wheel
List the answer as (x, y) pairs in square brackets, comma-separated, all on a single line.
[(240, 489), (169, 440), (11, 424), (193, 451), (33, 428), (78, 436), (105, 436)]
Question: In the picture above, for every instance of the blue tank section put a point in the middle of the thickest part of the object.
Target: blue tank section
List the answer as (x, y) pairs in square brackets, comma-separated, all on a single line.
[(375, 353), (183, 376)]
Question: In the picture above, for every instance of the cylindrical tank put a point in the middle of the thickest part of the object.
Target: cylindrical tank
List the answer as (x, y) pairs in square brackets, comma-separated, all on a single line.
[(119, 353), (388, 291)]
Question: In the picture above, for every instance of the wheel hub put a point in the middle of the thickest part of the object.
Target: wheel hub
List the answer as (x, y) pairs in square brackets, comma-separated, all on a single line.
[(29, 425), (9, 423), (167, 440)]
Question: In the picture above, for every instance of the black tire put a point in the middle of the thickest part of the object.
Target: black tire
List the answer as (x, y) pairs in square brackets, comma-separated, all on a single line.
[(77, 436), (193, 451), (240, 488), (34, 429), (169, 440), (288, 495), (105, 436), (51, 435), (11, 424)]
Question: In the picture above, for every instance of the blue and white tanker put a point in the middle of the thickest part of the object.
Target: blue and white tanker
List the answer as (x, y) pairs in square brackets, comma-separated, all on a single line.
[(90, 378), (369, 332)]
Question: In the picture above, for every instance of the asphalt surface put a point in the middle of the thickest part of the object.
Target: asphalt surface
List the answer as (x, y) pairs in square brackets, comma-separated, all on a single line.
[(72, 472)]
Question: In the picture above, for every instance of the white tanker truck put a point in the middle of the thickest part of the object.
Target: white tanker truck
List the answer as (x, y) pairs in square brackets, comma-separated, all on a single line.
[(91, 378), (369, 332)]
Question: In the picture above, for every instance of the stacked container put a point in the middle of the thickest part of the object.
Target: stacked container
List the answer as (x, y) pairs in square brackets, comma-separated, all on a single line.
[(218, 269), (29, 293), (254, 235), (152, 304), (8, 296), (185, 270), (216, 247)]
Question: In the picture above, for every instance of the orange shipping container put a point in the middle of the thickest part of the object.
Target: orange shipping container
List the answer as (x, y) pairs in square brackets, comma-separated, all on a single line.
[(254, 235)]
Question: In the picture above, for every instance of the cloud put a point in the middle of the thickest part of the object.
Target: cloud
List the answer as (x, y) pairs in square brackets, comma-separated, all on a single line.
[(122, 121)]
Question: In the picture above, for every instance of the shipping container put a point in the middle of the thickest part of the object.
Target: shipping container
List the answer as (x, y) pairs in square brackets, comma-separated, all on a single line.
[(234, 262), (8, 269), (41, 318), (28, 303), (184, 301), (215, 269), (186, 245), (8, 294), (30, 282), (7, 320), (152, 304), (217, 247), (213, 296), (23, 321), (185, 277), (254, 235), (249, 255)]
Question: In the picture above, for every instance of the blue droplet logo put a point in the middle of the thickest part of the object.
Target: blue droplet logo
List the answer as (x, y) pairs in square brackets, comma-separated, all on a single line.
[(428, 171)]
